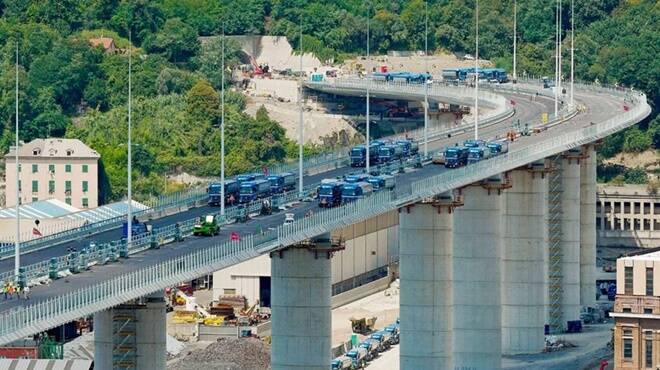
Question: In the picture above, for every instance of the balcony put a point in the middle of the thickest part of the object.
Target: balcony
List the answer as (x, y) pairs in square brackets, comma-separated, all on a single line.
[(637, 304)]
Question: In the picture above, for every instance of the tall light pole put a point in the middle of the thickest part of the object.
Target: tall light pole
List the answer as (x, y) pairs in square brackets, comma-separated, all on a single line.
[(476, 76), (515, 38), (572, 48), (17, 244), (367, 159), (300, 123), (559, 52), (556, 57), (426, 85), (222, 123), (129, 214)]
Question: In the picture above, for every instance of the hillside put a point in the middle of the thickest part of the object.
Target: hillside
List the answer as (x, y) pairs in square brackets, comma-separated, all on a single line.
[(69, 88)]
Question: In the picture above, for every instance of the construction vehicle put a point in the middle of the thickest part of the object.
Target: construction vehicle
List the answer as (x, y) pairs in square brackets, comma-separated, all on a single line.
[(371, 346), (381, 182), (355, 191), (384, 338), (363, 325), (359, 357), (330, 194), (282, 182), (137, 228), (253, 190), (456, 156), (316, 77), (342, 363), (232, 188), (207, 226), (394, 331)]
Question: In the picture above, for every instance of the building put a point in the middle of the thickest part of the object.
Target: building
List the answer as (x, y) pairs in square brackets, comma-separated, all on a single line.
[(64, 169), (107, 43), (627, 216), (637, 312)]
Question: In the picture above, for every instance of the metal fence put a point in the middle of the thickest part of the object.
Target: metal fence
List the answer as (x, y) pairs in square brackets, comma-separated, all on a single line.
[(17, 323), (359, 280)]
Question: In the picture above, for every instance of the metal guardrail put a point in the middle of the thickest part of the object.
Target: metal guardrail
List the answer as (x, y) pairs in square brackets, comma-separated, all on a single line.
[(17, 323)]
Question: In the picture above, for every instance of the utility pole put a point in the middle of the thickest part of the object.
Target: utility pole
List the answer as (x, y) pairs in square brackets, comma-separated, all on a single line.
[(515, 38), (300, 124), (129, 231), (560, 56), (476, 76), (17, 244), (368, 83), (556, 57), (222, 124), (426, 85), (572, 49)]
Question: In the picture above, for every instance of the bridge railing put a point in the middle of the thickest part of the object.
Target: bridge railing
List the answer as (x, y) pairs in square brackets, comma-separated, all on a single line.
[(40, 316)]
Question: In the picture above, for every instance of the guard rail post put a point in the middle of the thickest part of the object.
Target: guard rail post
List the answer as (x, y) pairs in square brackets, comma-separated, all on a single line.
[(154, 242), (177, 232), (123, 248), (73, 262), (52, 269)]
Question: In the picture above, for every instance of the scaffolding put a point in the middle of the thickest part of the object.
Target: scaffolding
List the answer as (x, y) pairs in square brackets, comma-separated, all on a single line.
[(555, 288), (124, 341)]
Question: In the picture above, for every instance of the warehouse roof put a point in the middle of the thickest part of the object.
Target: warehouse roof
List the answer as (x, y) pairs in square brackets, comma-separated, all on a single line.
[(53, 208)]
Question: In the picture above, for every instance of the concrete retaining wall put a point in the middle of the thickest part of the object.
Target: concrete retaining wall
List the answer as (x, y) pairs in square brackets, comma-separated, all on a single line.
[(360, 292)]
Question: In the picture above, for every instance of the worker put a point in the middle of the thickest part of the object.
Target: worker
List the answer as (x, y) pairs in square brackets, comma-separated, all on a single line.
[(5, 289), (26, 292)]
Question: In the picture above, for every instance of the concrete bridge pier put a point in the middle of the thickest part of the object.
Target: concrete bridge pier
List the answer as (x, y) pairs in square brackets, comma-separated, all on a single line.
[(301, 288), (525, 260), (425, 272), (588, 227), (132, 335), (476, 268)]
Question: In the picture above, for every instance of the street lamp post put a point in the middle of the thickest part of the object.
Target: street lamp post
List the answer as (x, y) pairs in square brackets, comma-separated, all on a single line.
[(222, 123), (129, 214), (300, 123), (367, 159), (426, 85), (476, 75), (17, 244), (515, 39), (572, 49)]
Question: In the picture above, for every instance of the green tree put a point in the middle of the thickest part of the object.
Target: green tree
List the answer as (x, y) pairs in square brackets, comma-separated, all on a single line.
[(177, 41), (202, 102)]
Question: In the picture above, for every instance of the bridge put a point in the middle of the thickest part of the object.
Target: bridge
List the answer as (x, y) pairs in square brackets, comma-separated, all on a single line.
[(489, 252)]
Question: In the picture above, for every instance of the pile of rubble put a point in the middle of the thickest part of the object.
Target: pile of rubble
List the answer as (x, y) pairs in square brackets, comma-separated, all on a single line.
[(554, 343), (228, 354)]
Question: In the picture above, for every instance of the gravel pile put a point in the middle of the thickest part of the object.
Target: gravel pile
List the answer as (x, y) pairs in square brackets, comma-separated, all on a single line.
[(228, 354)]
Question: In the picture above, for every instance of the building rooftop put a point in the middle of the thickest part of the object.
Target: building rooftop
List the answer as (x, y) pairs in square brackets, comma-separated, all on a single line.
[(53, 148), (637, 190), (106, 42), (651, 255), (53, 208)]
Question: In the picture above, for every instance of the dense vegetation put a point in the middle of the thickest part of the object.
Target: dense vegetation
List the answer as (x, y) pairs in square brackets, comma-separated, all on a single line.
[(68, 88)]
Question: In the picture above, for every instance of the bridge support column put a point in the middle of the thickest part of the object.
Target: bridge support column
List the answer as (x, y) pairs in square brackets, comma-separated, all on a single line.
[(524, 261), (588, 227), (301, 288), (132, 335), (570, 235), (476, 268), (425, 271)]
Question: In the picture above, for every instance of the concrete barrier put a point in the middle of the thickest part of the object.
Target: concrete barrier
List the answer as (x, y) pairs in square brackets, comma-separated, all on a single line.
[(360, 292)]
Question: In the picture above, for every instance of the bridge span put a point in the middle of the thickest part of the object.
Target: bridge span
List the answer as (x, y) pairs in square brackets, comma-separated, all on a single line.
[(489, 253)]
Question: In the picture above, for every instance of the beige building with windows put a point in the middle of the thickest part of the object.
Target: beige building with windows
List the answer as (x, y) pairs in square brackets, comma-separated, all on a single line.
[(63, 169), (637, 312)]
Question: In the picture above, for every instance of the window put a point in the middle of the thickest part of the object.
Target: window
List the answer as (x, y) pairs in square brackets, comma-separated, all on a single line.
[(35, 199), (648, 352), (628, 272), (51, 168), (35, 186), (67, 168), (627, 310), (85, 202), (19, 167), (35, 168), (51, 186), (67, 201), (20, 187), (649, 281), (229, 291), (67, 187), (85, 168), (648, 311), (627, 345), (85, 186)]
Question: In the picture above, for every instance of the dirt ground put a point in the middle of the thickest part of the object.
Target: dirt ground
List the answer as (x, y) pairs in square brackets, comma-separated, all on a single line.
[(434, 65)]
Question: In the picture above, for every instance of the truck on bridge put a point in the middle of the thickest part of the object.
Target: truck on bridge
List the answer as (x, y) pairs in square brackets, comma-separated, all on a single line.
[(232, 188), (355, 191), (388, 153), (282, 182), (253, 190), (329, 194), (249, 177), (137, 228), (358, 154), (410, 147), (496, 75), (497, 148), (381, 182), (476, 154), (456, 156)]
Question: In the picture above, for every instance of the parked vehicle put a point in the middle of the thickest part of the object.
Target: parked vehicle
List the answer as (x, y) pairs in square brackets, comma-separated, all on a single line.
[(438, 158), (359, 190), (371, 346), (410, 147), (471, 143), (387, 153), (288, 219), (498, 75), (330, 194), (456, 156), (384, 338), (253, 190), (207, 226), (497, 147), (351, 179), (477, 154), (381, 182), (282, 182), (394, 331), (137, 228), (249, 177), (342, 363), (359, 357), (232, 188)]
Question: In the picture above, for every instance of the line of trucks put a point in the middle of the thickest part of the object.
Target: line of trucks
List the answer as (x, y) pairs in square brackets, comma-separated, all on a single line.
[(383, 151), (249, 187), (465, 74), (472, 151), (368, 349), (335, 192)]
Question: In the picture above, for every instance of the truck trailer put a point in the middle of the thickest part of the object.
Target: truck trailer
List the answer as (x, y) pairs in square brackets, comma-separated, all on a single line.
[(355, 191), (282, 182), (232, 188), (253, 190)]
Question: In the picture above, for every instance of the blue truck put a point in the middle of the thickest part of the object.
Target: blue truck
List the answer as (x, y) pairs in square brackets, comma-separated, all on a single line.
[(457, 74), (495, 74), (253, 190), (410, 147), (471, 143), (330, 194), (232, 188), (388, 153), (137, 228), (477, 154), (361, 177), (355, 191), (381, 182), (497, 148), (249, 177), (282, 182), (456, 156), (358, 155)]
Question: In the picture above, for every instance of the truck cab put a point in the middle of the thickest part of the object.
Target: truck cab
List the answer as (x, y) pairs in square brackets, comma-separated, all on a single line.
[(381, 182), (497, 148), (477, 154), (359, 357), (455, 156), (253, 190), (215, 191), (409, 147), (393, 329), (355, 191), (137, 228), (249, 177), (207, 226), (351, 179), (282, 182), (471, 143), (330, 194), (387, 153), (371, 347), (342, 363), (384, 338)]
